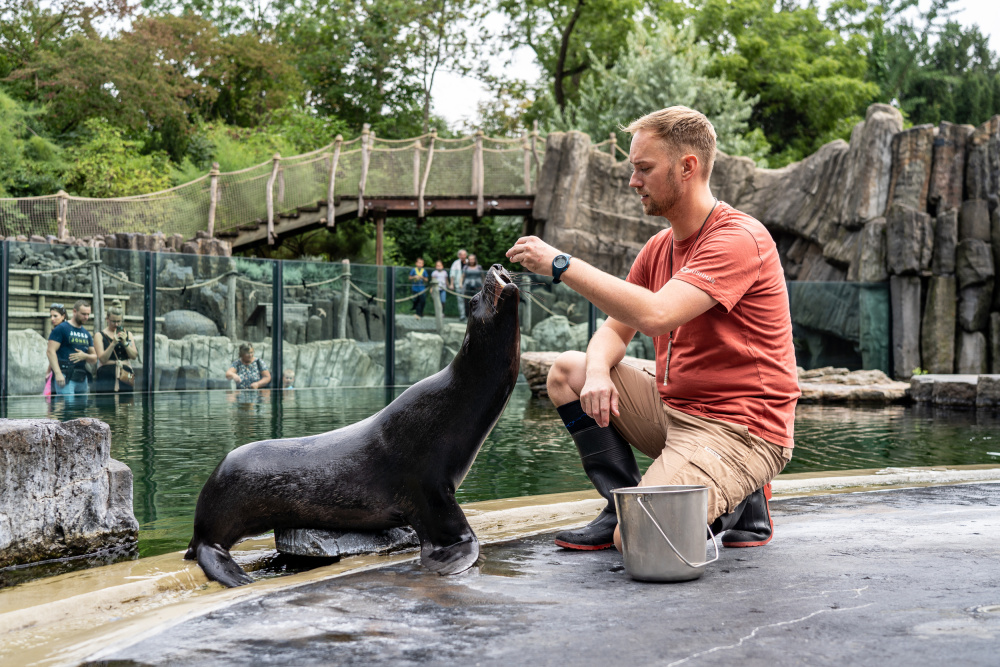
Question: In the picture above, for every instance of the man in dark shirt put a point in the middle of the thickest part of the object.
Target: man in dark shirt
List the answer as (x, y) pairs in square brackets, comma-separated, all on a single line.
[(71, 348)]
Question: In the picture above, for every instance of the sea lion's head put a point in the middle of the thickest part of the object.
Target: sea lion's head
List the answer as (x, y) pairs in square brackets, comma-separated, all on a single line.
[(493, 320)]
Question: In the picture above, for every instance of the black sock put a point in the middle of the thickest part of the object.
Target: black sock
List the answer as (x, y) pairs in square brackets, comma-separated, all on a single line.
[(574, 417)]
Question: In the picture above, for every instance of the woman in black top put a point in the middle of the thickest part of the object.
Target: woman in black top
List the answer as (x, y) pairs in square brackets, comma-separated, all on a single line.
[(473, 280), (115, 347)]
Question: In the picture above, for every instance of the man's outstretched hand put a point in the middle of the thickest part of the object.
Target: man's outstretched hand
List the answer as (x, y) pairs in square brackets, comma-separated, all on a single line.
[(533, 254)]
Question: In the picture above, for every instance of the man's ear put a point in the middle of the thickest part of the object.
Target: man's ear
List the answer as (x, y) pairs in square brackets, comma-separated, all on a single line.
[(689, 166)]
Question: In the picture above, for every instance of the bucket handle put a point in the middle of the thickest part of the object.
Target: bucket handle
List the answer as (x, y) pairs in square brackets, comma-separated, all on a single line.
[(670, 544)]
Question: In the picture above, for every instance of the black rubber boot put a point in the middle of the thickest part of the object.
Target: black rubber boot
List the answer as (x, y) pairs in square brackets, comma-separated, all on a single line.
[(754, 527), (610, 464)]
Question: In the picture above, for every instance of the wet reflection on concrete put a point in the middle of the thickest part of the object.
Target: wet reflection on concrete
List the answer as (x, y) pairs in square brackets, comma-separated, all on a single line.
[(871, 578)]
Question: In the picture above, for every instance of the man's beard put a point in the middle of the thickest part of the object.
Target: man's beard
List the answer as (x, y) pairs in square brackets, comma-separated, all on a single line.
[(664, 205)]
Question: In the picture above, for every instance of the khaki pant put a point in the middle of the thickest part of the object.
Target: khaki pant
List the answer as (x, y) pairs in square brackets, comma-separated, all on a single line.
[(685, 449)]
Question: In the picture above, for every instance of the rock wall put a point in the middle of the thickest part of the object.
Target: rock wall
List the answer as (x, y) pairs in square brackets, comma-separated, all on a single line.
[(63, 494), (202, 244), (913, 205)]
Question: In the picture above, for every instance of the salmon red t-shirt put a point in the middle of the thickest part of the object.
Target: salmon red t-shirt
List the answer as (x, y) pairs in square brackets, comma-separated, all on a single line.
[(735, 362)]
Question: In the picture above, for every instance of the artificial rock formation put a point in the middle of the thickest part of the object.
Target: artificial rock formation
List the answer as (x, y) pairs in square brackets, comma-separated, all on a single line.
[(63, 494), (889, 204)]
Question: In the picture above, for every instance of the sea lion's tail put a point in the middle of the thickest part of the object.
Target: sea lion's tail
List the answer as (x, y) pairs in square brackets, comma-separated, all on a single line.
[(218, 564)]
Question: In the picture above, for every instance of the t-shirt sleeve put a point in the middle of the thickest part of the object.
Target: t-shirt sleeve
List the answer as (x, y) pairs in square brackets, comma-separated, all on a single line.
[(724, 266), (639, 273), (263, 365), (57, 335)]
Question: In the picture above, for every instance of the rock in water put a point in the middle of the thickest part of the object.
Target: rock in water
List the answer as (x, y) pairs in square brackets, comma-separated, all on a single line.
[(63, 494), (180, 323)]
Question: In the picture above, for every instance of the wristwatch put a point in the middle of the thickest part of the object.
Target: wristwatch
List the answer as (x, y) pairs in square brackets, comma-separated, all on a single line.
[(559, 264)]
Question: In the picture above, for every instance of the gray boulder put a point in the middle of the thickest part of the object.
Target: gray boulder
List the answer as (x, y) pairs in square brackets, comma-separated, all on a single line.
[(971, 355), (947, 171), (27, 365), (904, 294), (974, 220), (974, 307), (973, 263), (945, 242), (63, 494), (912, 155), (872, 262), (909, 239), (982, 165), (937, 335), (180, 323), (418, 356)]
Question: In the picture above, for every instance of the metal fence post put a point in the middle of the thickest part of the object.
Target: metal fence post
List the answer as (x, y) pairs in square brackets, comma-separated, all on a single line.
[(149, 324), (277, 316), (4, 306), (591, 320), (390, 327)]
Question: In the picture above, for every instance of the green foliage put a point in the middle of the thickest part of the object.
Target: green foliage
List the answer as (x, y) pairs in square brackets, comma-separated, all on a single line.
[(30, 165), (809, 79), (657, 70), (107, 165), (441, 238)]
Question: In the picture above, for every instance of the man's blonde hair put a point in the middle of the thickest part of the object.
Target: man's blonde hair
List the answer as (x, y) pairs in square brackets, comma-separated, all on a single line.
[(682, 129)]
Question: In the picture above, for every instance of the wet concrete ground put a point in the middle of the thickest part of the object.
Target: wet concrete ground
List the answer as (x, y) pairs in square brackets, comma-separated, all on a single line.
[(907, 576)]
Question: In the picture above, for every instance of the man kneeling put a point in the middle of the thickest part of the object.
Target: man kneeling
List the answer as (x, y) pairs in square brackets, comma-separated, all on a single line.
[(710, 290)]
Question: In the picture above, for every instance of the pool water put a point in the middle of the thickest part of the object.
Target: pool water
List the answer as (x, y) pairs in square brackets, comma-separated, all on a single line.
[(173, 441)]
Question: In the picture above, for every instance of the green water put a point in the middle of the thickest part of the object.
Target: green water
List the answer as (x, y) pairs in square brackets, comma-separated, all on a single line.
[(173, 441)]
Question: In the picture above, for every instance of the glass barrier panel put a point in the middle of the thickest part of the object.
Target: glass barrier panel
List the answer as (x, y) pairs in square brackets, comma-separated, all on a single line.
[(46, 283), (207, 309), (425, 341), (840, 324), (557, 318), (328, 326)]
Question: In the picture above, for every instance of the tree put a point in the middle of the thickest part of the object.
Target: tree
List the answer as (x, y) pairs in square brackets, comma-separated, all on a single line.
[(107, 165), (657, 70), (809, 78), (567, 36), (30, 165)]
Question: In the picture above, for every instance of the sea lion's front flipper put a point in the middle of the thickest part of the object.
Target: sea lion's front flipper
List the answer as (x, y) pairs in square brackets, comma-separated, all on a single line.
[(447, 543)]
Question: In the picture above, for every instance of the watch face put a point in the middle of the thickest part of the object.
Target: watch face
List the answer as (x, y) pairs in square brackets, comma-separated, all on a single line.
[(561, 261)]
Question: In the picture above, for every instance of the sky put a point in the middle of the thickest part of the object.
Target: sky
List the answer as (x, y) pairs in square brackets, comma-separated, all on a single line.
[(456, 97)]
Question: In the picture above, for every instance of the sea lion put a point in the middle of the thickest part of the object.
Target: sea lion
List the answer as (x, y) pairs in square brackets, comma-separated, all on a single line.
[(401, 466)]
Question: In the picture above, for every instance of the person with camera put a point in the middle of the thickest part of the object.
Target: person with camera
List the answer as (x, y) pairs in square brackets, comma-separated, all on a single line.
[(115, 350), (71, 348)]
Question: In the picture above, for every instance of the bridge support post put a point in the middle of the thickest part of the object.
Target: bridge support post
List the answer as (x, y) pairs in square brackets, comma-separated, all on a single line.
[(331, 212), (62, 209), (213, 197), (427, 173), (367, 139), (613, 146), (345, 296), (270, 198), (438, 308), (477, 174)]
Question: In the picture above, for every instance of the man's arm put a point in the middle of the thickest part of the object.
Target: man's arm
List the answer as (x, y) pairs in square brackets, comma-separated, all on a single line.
[(652, 313), (599, 397), (50, 352)]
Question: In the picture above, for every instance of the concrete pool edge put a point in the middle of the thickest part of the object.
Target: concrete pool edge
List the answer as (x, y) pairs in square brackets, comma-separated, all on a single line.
[(64, 619)]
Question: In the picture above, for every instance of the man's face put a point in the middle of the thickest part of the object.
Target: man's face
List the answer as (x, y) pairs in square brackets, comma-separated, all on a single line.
[(462, 255), (654, 174), (81, 315)]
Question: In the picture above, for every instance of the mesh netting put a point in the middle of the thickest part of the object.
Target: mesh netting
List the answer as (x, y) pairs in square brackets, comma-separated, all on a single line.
[(396, 168)]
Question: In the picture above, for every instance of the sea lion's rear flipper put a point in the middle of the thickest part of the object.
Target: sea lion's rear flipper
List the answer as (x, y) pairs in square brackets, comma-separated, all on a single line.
[(447, 543), (219, 566)]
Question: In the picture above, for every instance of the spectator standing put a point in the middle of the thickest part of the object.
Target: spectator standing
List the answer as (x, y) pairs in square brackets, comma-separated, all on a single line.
[(248, 372), (441, 277), (115, 350), (71, 348), (473, 277), (57, 315), (419, 278), (457, 273)]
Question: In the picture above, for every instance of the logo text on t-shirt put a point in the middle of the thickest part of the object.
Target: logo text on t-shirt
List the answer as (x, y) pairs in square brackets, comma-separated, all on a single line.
[(701, 275)]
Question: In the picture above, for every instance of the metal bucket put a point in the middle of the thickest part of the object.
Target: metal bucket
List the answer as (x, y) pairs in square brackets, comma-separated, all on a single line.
[(664, 532)]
